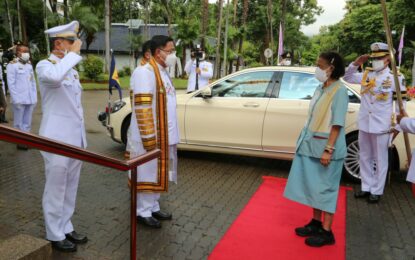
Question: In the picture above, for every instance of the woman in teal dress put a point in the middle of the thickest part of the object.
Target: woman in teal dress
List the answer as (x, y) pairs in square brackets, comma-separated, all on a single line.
[(321, 148)]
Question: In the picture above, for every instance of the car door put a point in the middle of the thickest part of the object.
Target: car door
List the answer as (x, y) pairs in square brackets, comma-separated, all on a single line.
[(234, 115), (287, 111)]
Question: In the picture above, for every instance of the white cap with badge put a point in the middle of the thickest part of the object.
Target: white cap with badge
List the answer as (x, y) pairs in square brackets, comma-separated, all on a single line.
[(67, 31)]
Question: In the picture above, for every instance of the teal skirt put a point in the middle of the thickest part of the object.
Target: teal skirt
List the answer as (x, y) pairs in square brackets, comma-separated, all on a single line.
[(314, 185)]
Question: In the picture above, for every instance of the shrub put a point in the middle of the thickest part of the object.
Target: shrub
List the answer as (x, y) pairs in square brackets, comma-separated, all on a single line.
[(127, 71), (93, 66), (121, 73)]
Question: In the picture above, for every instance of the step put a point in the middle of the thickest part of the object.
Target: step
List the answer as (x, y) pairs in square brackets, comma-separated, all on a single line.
[(25, 247)]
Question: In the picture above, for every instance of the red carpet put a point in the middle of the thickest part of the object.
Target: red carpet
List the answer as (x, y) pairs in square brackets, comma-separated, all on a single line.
[(265, 228)]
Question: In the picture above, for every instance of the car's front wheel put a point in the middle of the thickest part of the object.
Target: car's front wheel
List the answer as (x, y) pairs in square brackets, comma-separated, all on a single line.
[(351, 167), (124, 129)]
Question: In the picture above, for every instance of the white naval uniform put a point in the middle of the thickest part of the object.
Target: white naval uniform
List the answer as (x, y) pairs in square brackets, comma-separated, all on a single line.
[(206, 73), (408, 125), (63, 121), (374, 122), (22, 87), (143, 81)]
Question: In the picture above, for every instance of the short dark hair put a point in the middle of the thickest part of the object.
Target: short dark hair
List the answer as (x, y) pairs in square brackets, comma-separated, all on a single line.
[(159, 41), (337, 61), (19, 46), (146, 46)]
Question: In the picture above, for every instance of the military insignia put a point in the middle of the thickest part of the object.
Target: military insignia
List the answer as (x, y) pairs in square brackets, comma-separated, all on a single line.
[(387, 83), (382, 96), (205, 69), (51, 61)]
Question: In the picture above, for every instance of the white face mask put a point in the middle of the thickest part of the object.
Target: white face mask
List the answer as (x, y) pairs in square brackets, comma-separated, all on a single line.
[(25, 56), (171, 60), (287, 62), (321, 75), (378, 65)]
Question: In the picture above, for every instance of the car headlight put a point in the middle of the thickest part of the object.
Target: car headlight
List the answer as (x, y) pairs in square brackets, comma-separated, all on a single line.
[(117, 106)]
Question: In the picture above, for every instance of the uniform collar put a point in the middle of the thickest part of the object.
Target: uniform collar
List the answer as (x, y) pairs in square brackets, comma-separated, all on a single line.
[(385, 70), (54, 57)]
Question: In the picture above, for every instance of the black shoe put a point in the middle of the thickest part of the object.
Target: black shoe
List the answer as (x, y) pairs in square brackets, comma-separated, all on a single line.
[(361, 194), (76, 238), (64, 245), (323, 237), (22, 147), (160, 215), (373, 198), (149, 222), (310, 229)]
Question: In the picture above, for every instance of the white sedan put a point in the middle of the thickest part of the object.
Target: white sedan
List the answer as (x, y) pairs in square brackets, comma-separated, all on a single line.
[(254, 112)]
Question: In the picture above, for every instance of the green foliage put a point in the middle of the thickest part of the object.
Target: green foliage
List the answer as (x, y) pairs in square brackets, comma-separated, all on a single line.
[(127, 71), (93, 66)]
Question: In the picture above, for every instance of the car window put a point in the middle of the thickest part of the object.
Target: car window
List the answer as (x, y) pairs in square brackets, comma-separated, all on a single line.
[(251, 84), (353, 98), (297, 85)]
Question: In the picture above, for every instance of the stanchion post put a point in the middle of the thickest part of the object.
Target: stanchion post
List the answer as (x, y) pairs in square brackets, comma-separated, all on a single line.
[(133, 214)]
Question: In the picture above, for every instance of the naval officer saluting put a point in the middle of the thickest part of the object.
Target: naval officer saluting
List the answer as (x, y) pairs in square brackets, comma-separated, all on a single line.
[(62, 120), (376, 117)]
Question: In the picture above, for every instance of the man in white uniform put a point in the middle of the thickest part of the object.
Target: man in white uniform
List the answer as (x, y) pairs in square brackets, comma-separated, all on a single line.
[(376, 118), (62, 120), (154, 125), (205, 72), (22, 86)]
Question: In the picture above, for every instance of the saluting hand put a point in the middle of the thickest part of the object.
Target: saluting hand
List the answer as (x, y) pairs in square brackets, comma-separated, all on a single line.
[(361, 60), (76, 46), (325, 159)]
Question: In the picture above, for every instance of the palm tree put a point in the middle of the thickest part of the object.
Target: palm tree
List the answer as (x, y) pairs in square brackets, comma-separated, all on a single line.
[(241, 39), (9, 20), (205, 21), (218, 40)]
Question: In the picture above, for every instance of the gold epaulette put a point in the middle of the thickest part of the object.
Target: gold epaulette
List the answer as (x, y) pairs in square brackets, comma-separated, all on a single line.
[(14, 61), (369, 68), (51, 61)]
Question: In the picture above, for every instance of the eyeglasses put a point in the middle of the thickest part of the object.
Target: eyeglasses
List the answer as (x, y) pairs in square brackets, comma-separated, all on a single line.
[(169, 52)]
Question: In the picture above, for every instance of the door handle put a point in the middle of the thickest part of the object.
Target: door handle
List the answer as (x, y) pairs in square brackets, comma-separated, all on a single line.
[(251, 104)]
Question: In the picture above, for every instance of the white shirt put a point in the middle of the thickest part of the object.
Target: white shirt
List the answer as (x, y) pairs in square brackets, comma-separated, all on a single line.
[(206, 73), (22, 83), (60, 89), (375, 114)]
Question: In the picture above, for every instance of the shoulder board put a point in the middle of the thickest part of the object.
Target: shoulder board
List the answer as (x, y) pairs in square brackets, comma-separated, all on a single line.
[(399, 73), (13, 62), (369, 68), (51, 61)]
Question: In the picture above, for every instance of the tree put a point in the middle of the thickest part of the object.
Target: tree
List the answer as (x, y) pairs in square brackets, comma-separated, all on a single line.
[(219, 32)]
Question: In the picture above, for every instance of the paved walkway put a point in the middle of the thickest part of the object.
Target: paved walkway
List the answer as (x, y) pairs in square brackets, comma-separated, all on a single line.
[(211, 192)]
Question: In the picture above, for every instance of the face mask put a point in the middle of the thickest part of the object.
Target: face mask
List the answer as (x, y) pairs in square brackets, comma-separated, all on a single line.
[(171, 60), (25, 56), (321, 75), (378, 65), (287, 62)]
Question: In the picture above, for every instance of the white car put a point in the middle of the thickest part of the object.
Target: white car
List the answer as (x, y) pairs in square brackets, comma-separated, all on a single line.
[(254, 112)]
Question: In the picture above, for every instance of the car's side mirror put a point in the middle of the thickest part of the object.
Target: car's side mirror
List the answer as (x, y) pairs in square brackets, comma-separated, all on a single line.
[(206, 93)]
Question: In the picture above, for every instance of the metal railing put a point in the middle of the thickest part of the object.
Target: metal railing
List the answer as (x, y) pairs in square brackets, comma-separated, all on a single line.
[(12, 135)]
